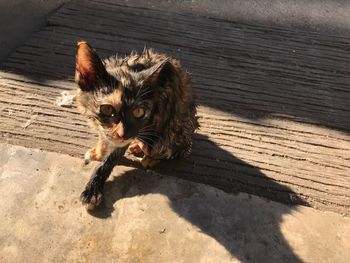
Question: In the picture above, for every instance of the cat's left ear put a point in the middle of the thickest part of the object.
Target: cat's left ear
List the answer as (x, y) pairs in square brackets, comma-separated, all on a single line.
[(89, 69), (159, 73)]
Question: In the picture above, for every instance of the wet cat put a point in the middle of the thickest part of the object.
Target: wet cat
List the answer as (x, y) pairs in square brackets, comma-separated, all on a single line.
[(143, 102)]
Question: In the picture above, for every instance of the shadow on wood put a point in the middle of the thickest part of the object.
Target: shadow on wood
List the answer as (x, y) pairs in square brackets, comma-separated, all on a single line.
[(210, 164)]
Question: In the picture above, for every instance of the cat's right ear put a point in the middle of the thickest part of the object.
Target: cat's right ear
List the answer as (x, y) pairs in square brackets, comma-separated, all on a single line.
[(90, 72)]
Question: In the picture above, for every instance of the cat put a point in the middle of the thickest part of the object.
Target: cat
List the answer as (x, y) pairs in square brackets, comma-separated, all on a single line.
[(140, 102)]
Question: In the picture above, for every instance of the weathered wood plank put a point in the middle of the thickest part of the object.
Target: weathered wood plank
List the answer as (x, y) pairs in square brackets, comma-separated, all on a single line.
[(233, 95), (305, 81), (265, 147), (274, 108)]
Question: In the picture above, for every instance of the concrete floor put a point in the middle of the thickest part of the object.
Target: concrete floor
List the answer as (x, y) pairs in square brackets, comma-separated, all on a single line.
[(150, 218)]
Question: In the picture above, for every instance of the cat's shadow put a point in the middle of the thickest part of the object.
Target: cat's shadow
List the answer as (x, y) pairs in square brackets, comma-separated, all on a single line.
[(247, 223)]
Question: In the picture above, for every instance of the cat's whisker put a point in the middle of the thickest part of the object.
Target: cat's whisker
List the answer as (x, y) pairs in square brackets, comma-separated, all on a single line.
[(149, 133), (144, 142), (147, 130), (150, 126), (147, 137), (137, 95), (144, 93)]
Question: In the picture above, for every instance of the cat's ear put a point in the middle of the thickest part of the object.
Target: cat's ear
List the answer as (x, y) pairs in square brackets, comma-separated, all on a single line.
[(89, 69), (159, 73)]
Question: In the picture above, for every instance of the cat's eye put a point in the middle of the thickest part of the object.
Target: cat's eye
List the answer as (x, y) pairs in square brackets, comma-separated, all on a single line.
[(138, 113), (107, 110)]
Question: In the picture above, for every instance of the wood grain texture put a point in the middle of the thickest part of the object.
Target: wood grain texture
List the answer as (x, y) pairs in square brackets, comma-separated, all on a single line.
[(274, 103)]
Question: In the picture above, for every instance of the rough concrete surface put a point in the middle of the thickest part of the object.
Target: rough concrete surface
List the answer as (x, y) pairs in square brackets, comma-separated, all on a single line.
[(150, 218)]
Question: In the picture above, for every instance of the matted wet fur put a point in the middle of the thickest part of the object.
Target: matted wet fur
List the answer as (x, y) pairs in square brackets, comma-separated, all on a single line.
[(143, 102)]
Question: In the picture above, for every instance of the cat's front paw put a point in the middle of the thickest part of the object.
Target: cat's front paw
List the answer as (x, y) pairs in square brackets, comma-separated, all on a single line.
[(91, 197), (92, 155), (138, 149)]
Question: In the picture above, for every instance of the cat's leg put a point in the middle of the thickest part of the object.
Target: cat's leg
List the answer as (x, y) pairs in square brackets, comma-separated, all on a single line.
[(92, 195), (99, 152)]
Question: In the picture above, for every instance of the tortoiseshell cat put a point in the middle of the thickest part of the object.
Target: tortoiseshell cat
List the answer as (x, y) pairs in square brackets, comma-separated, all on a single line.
[(143, 102)]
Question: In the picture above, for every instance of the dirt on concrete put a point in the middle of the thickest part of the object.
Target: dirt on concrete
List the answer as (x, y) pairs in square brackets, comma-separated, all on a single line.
[(146, 217)]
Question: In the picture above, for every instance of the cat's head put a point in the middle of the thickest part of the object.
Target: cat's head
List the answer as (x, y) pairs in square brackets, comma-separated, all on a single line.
[(120, 101)]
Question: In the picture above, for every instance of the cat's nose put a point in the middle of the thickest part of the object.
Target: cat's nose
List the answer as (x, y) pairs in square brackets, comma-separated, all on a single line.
[(120, 130)]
